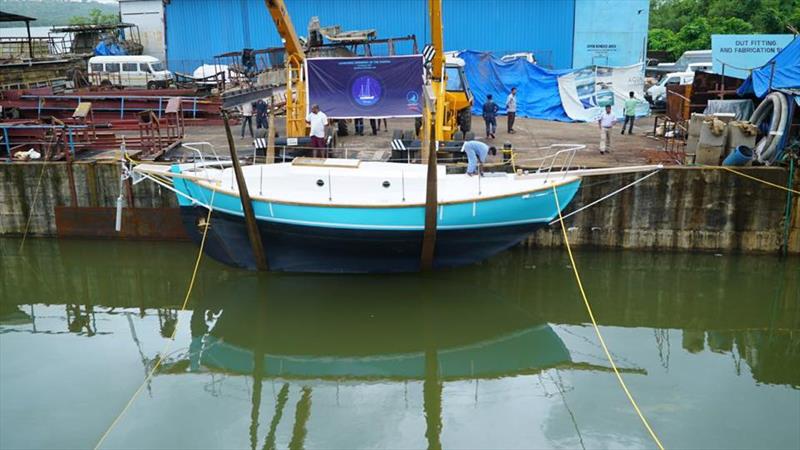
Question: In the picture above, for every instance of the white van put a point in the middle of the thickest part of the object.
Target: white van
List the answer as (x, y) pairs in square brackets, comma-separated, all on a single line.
[(657, 95), (129, 70)]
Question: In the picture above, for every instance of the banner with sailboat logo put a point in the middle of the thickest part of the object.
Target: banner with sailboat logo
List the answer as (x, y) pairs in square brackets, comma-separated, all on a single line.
[(366, 87)]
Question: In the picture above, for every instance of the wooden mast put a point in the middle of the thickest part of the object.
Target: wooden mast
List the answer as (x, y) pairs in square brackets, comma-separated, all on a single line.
[(247, 205)]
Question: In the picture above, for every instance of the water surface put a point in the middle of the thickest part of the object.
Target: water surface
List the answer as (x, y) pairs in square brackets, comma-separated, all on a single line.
[(499, 355)]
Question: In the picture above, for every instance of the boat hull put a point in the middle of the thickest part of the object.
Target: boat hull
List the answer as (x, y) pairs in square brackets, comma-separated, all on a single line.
[(300, 248)]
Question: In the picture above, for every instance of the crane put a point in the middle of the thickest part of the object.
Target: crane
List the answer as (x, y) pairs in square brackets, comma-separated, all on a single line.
[(295, 79), (452, 94)]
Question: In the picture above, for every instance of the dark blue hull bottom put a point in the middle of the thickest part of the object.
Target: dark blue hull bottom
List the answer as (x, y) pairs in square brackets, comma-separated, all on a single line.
[(294, 248)]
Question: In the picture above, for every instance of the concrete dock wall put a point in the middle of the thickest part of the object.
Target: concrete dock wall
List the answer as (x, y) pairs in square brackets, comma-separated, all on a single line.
[(96, 186), (676, 209), (682, 208)]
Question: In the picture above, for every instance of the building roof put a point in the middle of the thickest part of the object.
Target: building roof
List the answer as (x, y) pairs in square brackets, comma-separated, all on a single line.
[(9, 17)]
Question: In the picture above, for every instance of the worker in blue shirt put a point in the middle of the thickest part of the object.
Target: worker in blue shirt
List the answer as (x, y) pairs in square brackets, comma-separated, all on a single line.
[(490, 109), (477, 152)]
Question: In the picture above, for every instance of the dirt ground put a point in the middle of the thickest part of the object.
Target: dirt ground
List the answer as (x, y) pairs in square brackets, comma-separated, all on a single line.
[(530, 141)]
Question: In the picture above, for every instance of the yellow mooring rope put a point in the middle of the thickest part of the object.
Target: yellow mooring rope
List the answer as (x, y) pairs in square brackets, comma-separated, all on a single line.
[(754, 178), (172, 337), (597, 330)]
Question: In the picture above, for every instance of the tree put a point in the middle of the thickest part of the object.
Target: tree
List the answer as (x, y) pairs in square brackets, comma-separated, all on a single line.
[(96, 17), (680, 25), (660, 39)]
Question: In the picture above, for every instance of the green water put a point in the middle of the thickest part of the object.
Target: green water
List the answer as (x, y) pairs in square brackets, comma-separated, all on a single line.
[(499, 355)]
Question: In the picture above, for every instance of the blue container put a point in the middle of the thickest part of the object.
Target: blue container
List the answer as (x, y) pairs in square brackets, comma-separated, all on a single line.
[(740, 156)]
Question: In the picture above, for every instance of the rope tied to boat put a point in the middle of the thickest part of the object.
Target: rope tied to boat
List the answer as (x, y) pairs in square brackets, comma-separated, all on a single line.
[(597, 329), (164, 351), (741, 174)]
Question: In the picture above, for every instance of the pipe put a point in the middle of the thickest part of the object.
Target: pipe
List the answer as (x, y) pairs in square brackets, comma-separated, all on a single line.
[(778, 105)]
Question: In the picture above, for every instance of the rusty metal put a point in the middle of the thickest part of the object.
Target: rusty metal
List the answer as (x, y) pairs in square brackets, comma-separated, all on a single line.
[(138, 223)]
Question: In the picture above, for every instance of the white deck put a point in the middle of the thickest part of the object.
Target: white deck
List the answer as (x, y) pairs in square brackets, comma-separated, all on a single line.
[(363, 183)]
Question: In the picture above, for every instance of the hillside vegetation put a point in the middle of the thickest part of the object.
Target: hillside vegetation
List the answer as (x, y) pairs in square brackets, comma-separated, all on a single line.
[(680, 25), (55, 12)]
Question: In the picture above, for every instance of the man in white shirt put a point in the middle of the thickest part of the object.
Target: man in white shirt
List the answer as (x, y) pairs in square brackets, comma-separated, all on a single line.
[(318, 121), (606, 122), (511, 109), (246, 110)]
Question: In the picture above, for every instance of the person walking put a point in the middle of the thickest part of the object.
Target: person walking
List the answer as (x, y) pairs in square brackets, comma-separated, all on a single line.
[(261, 114), (317, 121), (246, 110), (477, 152), (606, 122), (630, 113), (511, 109), (490, 116), (359, 124)]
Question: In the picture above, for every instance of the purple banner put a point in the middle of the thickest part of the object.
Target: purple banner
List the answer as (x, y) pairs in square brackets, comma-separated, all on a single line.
[(389, 86)]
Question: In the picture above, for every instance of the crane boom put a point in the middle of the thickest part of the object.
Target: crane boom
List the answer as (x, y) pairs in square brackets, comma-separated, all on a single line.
[(280, 16), (295, 78), (437, 39), (437, 68)]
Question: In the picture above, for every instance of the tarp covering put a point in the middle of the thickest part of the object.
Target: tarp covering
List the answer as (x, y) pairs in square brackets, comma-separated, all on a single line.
[(537, 88), (110, 49), (585, 92), (785, 75), (370, 87)]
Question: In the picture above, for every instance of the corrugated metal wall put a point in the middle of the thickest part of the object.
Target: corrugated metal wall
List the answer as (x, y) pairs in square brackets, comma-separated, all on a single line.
[(199, 29)]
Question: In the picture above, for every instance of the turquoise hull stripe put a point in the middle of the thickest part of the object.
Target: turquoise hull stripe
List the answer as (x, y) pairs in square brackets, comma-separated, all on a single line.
[(535, 207)]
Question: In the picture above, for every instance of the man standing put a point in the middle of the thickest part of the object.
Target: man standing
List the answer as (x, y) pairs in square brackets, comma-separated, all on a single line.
[(630, 113), (261, 114), (317, 120), (477, 153), (246, 109), (490, 116), (605, 123), (511, 109)]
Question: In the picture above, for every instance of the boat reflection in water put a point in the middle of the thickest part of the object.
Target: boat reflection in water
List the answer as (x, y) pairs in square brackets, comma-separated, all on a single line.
[(272, 317), (289, 328), (491, 355)]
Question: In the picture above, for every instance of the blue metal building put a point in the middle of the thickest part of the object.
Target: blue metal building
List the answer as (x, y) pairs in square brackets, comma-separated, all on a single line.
[(196, 30)]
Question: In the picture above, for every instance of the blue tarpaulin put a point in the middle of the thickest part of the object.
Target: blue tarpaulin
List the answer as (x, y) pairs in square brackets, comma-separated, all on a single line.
[(111, 49), (784, 75), (537, 88)]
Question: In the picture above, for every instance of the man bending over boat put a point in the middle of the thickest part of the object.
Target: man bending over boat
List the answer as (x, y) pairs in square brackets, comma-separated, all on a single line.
[(477, 152)]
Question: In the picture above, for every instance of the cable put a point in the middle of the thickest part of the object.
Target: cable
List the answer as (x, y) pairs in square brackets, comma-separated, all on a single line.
[(634, 182), (33, 206), (597, 329), (753, 178), (172, 337)]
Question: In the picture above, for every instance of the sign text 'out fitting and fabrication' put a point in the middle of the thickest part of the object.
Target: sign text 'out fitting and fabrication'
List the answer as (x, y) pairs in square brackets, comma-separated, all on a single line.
[(735, 54)]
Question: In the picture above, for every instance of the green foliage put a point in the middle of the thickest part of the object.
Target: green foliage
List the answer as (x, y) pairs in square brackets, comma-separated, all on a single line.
[(54, 12), (680, 25), (95, 17)]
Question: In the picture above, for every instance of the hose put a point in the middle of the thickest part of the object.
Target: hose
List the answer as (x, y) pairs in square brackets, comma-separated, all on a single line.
[(775, 107)]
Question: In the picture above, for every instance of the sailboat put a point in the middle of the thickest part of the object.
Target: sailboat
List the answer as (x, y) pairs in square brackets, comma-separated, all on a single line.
[(366, 93), (351, 216)]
